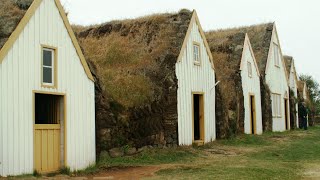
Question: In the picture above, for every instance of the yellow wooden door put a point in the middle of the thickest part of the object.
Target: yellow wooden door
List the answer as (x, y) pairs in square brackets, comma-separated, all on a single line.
[(47, 147)]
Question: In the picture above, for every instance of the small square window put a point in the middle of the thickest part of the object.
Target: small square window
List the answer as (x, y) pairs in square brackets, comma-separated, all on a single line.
[(249, 69), (48, 66), (196, 53)]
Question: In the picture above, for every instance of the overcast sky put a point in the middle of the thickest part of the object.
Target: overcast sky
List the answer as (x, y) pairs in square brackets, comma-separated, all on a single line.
[(297, 21)]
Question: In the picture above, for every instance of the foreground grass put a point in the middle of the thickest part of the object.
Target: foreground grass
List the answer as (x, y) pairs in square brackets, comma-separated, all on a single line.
[(270, 156), (152, 157), (148, 157), (287, 155)]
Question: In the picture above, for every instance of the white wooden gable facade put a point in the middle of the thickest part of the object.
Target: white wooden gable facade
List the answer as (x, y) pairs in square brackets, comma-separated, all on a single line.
[(44, 40), (293, 84), (195, 77), (277, 80), (251, 90)]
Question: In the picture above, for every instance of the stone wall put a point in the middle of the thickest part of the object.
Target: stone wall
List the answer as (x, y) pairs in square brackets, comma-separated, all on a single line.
[(266, 105)]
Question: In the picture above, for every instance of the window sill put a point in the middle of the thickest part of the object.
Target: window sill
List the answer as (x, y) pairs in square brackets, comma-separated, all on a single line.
[(197, 63), (276, 116), (48, 86)]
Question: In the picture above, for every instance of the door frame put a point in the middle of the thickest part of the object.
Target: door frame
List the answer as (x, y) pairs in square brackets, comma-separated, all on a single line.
[(202, 109), (34, 92), (254, 119)]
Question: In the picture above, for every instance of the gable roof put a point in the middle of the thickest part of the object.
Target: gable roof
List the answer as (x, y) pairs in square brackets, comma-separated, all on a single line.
[(288, 62), (143, 49), (260, 39), (19, 16), (227, 47), (202, 34)]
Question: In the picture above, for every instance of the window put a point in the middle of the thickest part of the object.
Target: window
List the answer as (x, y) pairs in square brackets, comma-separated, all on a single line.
[(249, 69), (196, 53), (276, 105), (276, 55), (48, 67)]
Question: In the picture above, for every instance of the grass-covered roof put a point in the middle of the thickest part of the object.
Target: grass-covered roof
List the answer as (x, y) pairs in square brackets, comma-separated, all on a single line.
[(226, 47), (11, 13), (288, 62), (260, 38), (134, 56)]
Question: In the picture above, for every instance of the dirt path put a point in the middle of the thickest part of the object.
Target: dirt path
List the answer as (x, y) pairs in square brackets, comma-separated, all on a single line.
[(128, 173), (208, 156), (312, 172)]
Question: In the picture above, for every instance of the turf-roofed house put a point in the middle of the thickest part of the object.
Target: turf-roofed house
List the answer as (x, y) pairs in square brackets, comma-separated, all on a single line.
[(293, 85), (155, 81), (47, 117), (239, 102), (273, 76)]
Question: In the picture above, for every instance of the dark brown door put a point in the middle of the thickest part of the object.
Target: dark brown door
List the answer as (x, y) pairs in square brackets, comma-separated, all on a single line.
[(198, 117), (286, 113)]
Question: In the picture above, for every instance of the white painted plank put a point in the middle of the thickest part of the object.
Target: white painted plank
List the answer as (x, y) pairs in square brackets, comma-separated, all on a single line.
[(192, 78), (20, 75)]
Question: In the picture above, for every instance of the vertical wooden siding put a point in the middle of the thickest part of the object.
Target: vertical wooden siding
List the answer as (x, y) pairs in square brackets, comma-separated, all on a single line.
[(20, 75), (277, 82), (293, 84), (251, 86), (193, 78)]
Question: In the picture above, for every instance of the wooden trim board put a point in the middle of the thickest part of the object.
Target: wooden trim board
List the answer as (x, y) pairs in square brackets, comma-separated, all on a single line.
[(51, 126), (24, 21)]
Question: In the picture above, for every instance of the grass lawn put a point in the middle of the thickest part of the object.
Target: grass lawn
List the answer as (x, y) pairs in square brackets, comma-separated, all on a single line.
[(288, 155)]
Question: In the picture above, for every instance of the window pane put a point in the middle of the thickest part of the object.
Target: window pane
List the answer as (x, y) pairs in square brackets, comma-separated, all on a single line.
[(196, 56), (249, 69), (279, 105), (276, 55), (47, 58), (276, 96), (47, 75), (273, 105)]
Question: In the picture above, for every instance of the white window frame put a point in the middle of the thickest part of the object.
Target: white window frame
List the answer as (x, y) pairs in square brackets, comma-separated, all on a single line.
[(52, 50), (249, 65), (276, 54), (196, 54), (276, 105)]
